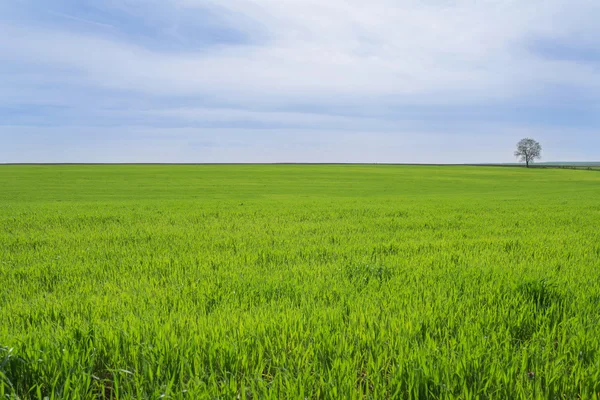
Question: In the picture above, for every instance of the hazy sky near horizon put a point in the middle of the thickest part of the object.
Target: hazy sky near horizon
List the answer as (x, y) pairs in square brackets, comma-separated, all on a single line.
[(431, 81)]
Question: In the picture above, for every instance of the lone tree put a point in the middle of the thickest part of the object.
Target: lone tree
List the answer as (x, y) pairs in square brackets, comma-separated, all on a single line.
[(528, 150)]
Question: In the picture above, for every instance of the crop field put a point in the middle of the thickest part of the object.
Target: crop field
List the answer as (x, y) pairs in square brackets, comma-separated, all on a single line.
[(299, 282)]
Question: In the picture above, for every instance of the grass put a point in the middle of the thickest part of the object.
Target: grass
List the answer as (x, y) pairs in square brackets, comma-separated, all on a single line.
[(318, 282)]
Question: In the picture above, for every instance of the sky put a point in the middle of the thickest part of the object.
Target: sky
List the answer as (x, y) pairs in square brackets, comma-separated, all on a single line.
[(378, 81)]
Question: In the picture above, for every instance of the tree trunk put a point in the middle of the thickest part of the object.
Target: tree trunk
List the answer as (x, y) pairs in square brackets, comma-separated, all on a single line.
[(527, 163)]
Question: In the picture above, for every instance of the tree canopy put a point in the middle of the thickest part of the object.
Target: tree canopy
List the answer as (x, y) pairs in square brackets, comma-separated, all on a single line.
[(528, 150)]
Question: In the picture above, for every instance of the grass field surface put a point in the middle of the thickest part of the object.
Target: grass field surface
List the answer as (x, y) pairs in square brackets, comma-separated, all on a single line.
[(291, 281)]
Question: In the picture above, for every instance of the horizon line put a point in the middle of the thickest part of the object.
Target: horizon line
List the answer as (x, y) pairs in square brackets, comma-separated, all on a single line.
[(543, 164)]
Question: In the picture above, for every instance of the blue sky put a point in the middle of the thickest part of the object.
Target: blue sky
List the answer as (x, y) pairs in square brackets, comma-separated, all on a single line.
[(448, 81)]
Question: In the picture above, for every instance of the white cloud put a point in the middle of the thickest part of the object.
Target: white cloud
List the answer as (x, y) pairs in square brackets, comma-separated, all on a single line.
[(426, 51), (372, 55)]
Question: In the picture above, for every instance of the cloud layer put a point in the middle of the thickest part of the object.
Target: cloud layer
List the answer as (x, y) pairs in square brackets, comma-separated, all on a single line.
[(297, 80)]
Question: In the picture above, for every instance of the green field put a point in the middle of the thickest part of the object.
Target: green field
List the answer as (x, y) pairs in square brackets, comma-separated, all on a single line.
[(290, 281)]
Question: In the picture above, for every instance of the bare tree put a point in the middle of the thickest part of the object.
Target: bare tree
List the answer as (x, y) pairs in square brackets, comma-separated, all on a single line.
[(528, 150)]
